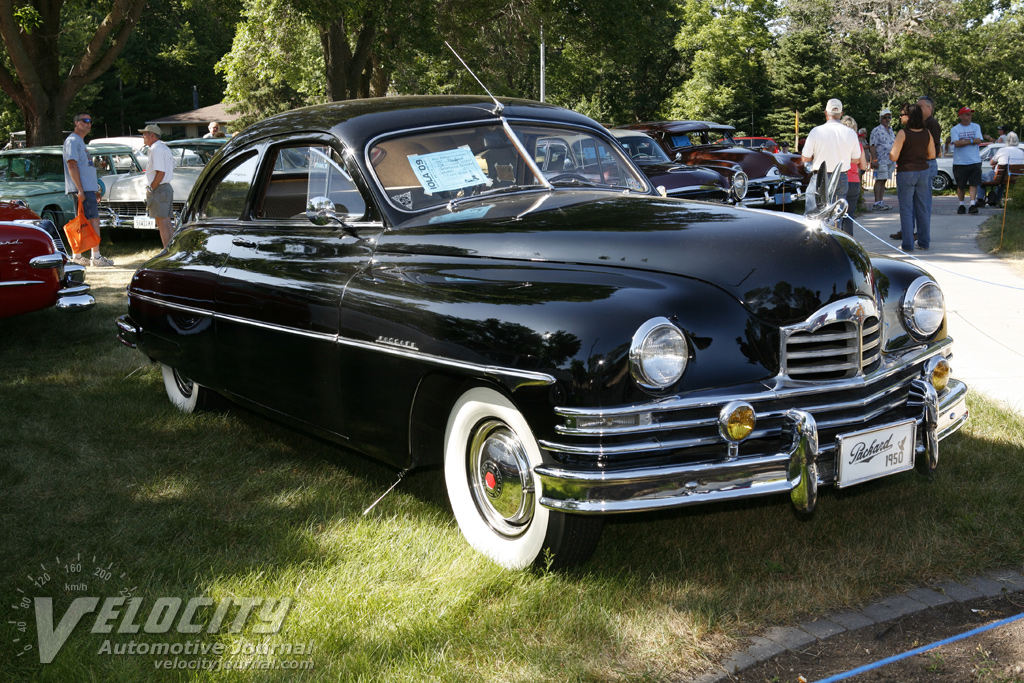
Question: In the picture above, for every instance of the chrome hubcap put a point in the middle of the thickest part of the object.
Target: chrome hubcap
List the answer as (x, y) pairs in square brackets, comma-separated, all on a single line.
[(500, 478)]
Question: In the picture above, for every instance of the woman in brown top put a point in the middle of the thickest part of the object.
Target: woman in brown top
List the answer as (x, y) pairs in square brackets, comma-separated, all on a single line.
[(911, 152)]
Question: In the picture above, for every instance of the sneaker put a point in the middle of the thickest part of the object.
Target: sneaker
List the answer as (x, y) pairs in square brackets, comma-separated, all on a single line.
[(880, 206), (973, 209), (80, 260), (961, 210), (102, 262)]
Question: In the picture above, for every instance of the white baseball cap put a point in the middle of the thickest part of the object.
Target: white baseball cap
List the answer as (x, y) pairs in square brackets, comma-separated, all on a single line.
[(834, 106)]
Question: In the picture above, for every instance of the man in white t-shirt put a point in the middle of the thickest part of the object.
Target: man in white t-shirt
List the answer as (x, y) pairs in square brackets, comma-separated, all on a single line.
[(832, 146), (159, 171), (967, 137), (1012, 154)]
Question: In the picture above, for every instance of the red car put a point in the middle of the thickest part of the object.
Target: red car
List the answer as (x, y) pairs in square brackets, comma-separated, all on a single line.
[(35, 271)]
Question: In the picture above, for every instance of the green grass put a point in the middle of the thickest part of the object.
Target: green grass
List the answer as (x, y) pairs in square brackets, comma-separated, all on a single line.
[(1003, 234), (95, 463)]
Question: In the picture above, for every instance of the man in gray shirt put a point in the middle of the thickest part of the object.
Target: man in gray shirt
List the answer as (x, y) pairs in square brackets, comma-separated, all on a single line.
[(80, 179)]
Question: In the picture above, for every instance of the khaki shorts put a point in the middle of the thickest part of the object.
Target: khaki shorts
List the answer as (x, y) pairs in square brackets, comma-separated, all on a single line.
[(159, 201), (885, 169)]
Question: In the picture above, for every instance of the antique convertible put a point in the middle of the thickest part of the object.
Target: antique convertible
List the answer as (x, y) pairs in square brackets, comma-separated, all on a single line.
[(402, 276)]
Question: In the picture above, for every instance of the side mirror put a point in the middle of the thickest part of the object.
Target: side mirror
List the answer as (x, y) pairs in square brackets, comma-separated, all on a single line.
[(321, 211), (679, 156)]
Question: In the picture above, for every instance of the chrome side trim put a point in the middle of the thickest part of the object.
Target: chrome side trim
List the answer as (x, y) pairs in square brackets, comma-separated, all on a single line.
[(21, 283), (528, 376)]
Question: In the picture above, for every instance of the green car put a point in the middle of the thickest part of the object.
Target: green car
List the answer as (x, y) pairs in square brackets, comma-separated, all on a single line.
[(35, 175)]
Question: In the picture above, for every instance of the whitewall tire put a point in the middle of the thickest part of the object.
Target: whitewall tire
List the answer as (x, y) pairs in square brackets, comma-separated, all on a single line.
[(489, 458)]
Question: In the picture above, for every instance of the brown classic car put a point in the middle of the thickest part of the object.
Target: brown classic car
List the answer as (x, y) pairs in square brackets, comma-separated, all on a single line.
[(773, 180)]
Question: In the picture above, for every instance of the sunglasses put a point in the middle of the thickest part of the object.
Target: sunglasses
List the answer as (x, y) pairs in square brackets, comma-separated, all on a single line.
[(85, 120)]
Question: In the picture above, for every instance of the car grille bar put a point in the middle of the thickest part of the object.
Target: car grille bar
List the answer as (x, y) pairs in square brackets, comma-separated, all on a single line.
[(133, 209)]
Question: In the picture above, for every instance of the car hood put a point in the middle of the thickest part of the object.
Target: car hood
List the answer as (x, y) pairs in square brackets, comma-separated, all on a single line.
[(782, 268), (30, 189), (132, 188), (674, 176)]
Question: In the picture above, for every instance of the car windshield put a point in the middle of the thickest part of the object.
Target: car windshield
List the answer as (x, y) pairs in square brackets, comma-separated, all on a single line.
[(31, 168), (193, 155), (643, 148), (428, 169)]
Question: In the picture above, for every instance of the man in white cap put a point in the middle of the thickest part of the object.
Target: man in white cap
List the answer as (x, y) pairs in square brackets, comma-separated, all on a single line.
[(159, 171), (882, 139), (832, 146)]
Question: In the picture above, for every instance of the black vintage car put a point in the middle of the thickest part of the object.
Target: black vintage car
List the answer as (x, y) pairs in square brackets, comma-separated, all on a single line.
[(402, 276)]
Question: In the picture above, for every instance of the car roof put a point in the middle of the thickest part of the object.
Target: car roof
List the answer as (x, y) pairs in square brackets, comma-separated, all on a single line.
[(198, 141), (356, 122), (58, 149), (685, 126), (625, 133)]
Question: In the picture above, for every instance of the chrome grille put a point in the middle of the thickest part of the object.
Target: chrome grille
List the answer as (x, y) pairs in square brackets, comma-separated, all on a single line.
[(830, 352), (840, 341), (133, 209)]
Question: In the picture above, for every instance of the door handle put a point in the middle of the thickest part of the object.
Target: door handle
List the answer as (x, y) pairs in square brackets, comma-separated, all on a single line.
[(242, 242)]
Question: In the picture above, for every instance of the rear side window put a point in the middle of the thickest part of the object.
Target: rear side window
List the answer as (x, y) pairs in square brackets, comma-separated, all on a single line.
[(301, 173), (226, 199)]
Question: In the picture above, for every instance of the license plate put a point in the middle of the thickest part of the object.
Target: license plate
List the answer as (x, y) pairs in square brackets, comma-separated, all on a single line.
[(872, 453), (145, 222), (785, 198)]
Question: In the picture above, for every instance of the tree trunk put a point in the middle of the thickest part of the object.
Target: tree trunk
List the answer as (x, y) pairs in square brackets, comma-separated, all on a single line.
[(344, 68), (37, 84)]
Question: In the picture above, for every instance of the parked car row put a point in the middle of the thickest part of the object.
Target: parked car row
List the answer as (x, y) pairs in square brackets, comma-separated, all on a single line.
[(496, 288), (771, 180), (35, 175)]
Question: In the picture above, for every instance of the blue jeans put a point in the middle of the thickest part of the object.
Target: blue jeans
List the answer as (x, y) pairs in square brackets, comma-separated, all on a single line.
[(914, 190), (933, 172), (852, 198)]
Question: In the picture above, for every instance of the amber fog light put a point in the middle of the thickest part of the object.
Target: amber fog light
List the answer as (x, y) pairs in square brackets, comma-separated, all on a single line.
[(736, 421), (937, 371)]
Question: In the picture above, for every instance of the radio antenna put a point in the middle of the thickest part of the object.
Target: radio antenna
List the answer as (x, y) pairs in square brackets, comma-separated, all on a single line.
[(498, 106)]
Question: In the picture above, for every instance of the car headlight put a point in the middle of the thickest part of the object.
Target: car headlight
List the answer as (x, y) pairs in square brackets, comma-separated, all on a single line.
[(923, 308), (739, 185), (658, 354)]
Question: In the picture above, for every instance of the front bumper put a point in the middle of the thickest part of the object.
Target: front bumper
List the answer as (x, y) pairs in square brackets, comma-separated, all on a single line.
[(73, 294), (803, 456), (762, 193)]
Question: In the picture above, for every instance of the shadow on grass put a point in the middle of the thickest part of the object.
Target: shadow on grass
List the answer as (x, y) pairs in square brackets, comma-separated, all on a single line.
[(94, 461)]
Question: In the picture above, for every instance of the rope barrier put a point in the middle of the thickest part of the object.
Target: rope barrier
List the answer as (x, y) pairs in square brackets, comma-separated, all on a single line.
[(916, 651), (931, 264)]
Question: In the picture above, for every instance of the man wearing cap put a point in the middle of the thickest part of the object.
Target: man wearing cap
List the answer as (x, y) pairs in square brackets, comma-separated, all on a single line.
[(882, 139), (80, 180), (967, 158), (832, 146), (159, 171)]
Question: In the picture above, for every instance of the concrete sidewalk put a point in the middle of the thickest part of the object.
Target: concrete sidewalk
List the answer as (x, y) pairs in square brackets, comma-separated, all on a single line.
[(984, 295)]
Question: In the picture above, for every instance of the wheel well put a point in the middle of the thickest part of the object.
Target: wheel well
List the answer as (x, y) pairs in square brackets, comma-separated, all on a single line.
[(428, 419)]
